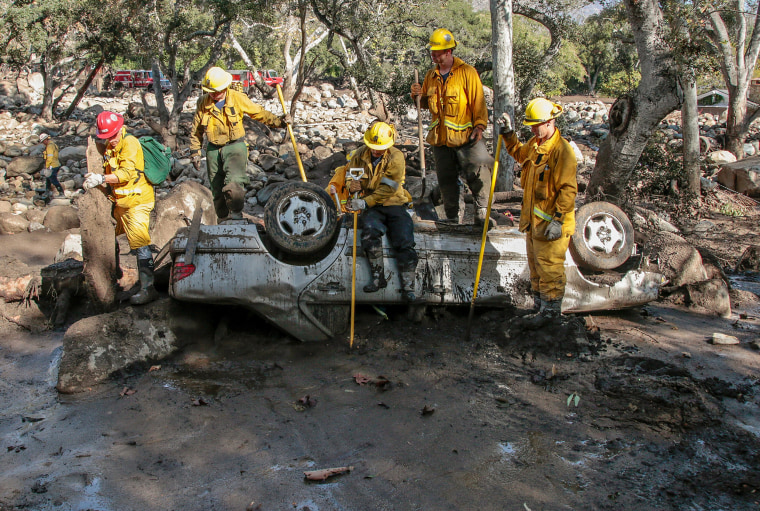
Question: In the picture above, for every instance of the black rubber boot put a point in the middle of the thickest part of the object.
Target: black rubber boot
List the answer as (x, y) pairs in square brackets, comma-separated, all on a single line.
[(378, 275), (234, 197), (536, 302), (549, 314), (407, 277), (147, 292), (480, 218)]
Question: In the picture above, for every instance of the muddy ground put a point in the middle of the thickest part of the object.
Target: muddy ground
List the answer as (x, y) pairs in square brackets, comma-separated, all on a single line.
[(663, 419)]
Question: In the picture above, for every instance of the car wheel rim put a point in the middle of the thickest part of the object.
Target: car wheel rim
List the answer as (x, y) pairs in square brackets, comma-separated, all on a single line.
[(302, 214), (604, 234)]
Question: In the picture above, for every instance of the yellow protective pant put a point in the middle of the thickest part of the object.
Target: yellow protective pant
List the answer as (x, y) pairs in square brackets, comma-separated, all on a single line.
[(135, 222), (546, 260)]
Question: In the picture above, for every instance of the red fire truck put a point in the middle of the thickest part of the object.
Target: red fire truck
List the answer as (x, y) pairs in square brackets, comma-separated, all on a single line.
[(137, 78), (246, 78)]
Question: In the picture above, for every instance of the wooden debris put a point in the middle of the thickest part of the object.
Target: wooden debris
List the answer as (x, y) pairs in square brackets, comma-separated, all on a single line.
[(321, 475)]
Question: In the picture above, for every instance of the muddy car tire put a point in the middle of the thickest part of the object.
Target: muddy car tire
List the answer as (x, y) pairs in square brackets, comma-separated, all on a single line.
[(603, 238), (300, 218)]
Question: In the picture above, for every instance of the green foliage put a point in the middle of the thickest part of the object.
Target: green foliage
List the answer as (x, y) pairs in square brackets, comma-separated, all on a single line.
[(606, 51), (616, 84), (573, 398), (730, 209)]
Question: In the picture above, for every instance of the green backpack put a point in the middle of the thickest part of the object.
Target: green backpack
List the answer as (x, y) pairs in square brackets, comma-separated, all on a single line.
[(158, 160)]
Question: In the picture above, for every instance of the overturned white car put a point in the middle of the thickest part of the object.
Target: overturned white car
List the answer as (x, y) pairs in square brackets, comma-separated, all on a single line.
[(296, 272)]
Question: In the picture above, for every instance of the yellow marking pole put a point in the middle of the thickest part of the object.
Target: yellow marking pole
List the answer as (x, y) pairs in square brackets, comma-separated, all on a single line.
[(290, 132), (353, 283), (483, 241)]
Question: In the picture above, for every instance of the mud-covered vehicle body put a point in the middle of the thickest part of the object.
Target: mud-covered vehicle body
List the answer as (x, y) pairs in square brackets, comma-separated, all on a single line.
[(297, 270)]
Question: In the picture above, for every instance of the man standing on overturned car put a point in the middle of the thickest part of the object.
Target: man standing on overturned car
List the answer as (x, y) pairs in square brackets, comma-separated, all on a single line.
[(453, 93), (219, 115), (383, 202), (547, 216)]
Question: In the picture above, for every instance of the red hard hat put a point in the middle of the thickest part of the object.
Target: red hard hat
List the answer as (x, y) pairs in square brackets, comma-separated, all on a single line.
[(109, 123)]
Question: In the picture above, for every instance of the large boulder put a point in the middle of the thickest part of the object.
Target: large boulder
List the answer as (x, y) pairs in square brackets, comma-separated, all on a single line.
[(24, 165), (742, 176), (61, 218), (178, 205), (677, 260), (711, 296), (77, 153), (97, 347), (11, 224), (71, 248)]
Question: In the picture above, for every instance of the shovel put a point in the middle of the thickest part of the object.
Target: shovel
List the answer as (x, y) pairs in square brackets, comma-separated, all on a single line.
[(292, 137), (483, 241)]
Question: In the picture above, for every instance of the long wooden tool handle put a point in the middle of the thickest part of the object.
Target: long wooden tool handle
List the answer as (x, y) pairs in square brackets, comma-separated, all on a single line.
[(419, 129), (290, 132)]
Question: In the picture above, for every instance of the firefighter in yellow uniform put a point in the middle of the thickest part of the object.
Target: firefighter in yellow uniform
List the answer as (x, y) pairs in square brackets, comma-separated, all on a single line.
[(52, 164), (383, 205), (453, 93), (219, 115), (131, 193), (547, 217)]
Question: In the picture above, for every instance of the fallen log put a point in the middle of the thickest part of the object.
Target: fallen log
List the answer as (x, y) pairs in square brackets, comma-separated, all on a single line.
[(14, 289)]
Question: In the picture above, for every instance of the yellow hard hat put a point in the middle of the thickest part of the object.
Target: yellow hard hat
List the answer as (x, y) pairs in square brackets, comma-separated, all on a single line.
[(540, 110), (216, 80), (442, 39), (379, 136)]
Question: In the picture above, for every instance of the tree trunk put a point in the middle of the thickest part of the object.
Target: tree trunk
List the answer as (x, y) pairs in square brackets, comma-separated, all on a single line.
[(47, 90), (737, 60), (98, 238), (83, 89), (634, 117), (690, 130), (504, 83), (736, 131)]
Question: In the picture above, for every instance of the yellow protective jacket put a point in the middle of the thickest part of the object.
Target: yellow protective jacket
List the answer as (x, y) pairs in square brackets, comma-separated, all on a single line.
[(382, 185), (226, 125), (51, 155), (126, 162), (548, 180), (457, 106)]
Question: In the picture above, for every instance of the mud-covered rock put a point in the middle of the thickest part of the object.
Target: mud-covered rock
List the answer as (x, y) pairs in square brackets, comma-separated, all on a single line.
[(749, 260), (24, 165), (679, 261), (97, 347), (61, 218), (176, 209), (11, 224), (710, 295)]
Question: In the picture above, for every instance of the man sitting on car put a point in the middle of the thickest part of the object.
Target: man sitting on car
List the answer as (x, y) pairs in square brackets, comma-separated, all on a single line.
[(383, 202)]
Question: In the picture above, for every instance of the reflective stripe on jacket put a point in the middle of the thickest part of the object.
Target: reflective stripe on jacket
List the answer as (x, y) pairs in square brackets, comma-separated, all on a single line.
[(226, 125), (457, 106), (382, 185), (126, 162), (548, 180), (51, 155)]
